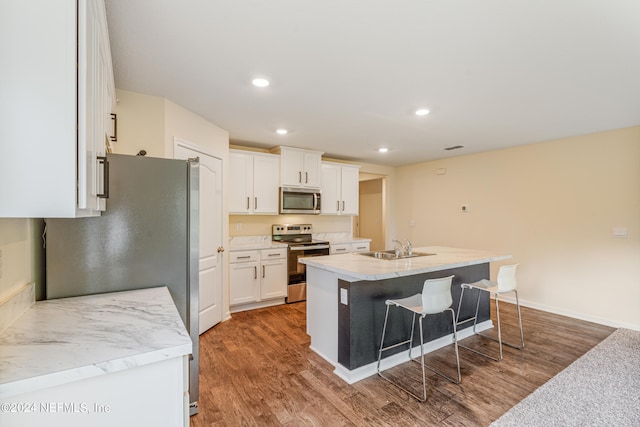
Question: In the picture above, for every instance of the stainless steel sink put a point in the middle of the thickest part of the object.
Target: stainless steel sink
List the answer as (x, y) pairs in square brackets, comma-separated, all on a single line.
[(391, 254)]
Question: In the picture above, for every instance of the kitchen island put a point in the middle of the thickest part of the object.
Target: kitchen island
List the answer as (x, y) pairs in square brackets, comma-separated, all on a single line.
[(346, 297)]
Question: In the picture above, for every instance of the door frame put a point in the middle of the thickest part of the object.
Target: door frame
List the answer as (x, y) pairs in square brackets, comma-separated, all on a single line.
[(223, 157)]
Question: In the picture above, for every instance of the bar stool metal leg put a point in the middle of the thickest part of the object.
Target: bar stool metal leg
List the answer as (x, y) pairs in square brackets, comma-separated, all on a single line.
[(482, 287)]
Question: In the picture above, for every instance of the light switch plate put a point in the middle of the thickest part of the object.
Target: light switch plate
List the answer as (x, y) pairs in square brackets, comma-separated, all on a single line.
[(344, 297), (619, 232)]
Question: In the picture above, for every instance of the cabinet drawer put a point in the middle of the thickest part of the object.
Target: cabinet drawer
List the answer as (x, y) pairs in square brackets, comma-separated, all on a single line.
[(243, 256), (279, 253), (360, 247), (341, 248)]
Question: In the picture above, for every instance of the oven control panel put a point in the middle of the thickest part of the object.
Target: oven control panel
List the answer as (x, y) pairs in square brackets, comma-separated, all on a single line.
[(289, 229)]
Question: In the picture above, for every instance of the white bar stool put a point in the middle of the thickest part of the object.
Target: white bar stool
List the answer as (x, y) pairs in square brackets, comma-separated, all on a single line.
[(435, 298), (506, 282)]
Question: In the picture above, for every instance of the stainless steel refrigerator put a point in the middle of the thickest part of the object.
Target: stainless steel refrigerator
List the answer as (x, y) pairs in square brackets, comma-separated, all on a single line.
[(147, 237)]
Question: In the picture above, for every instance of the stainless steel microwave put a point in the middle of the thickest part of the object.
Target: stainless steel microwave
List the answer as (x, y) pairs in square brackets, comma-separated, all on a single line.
[(300, 200)]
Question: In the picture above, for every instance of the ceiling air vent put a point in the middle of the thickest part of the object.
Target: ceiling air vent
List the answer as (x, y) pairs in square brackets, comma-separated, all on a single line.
[(454, 147)]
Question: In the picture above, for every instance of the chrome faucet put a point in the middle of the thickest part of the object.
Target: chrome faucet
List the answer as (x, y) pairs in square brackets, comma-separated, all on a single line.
[(408, 248)]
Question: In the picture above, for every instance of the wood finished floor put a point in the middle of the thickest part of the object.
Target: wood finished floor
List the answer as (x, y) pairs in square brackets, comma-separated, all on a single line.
[(257, 370)]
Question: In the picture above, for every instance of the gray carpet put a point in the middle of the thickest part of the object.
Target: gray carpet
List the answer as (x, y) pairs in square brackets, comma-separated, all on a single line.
[(602, 388)]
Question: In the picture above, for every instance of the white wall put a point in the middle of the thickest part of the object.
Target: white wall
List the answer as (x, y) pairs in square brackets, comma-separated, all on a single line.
[(553, 206)]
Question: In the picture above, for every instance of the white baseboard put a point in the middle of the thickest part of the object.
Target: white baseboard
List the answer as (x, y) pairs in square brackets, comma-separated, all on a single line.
[(572, 314), (254, 305), (355, 375)]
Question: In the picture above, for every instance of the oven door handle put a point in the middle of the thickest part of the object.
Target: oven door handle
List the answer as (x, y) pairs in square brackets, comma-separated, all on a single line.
[(305, 248)]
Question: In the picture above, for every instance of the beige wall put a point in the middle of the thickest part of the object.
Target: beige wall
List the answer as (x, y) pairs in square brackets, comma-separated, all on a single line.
[(553, 206), (260, 225), (183, 124), (372, 212), (21, 245), (140, 124)]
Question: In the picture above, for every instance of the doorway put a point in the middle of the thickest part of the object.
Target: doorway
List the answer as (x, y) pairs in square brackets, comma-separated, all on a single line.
[(371, 222)]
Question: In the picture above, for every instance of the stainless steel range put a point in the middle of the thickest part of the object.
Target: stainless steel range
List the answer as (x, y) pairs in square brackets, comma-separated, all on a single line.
[(299, 237)]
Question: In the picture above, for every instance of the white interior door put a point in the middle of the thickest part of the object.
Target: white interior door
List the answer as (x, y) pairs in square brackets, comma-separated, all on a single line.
[(211, 265)]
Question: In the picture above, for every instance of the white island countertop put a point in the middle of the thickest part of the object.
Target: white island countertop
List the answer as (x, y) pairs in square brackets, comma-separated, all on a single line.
[(361, 267), (60, 341)]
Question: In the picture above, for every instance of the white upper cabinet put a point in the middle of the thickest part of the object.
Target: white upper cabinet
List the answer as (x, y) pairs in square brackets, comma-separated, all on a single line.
[(253, 179), (340, 189), (55, 108), (300, 168)]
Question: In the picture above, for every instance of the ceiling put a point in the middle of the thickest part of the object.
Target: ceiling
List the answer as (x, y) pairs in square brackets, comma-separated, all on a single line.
[(347, 76)]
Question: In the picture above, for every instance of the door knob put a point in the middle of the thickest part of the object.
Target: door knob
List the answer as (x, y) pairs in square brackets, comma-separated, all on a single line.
[(220, 249)]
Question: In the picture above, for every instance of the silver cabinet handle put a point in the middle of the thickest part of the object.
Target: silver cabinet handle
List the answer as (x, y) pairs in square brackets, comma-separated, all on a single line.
[(255, 272), (306, 177), (255, 203), (105, 181), (300, 177), (263, 271), (247, 203), (240, 257), (338, 206), (341, 249), (343, 206)]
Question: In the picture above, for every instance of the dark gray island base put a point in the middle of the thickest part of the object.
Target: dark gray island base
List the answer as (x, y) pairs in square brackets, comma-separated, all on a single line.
[(360, 321)]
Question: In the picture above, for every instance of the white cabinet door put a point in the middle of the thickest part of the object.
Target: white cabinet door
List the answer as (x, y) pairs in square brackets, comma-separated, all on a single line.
[(330, 189), (266, 170), (52, 108), (349, 190), (340, 189), (240, 183), (274, 279), (291, 164), (312, 169), (300, 168), (254, 180), (244, 283)]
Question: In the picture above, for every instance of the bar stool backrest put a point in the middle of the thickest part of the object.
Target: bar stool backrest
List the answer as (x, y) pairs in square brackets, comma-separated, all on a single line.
[(507, 278), (436, 295)]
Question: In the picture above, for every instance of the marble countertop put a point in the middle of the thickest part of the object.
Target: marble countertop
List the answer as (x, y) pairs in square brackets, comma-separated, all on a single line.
[(64, 340), (362, 267)]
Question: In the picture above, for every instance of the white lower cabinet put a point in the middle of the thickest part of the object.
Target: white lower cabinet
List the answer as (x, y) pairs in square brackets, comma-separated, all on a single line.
[(149, 395), (257, 278), (347, 248)]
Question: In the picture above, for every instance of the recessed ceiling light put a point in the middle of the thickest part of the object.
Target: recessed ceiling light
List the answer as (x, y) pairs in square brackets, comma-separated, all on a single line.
[(422, 112), (282, 131), (382, 150), (260, 82)]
